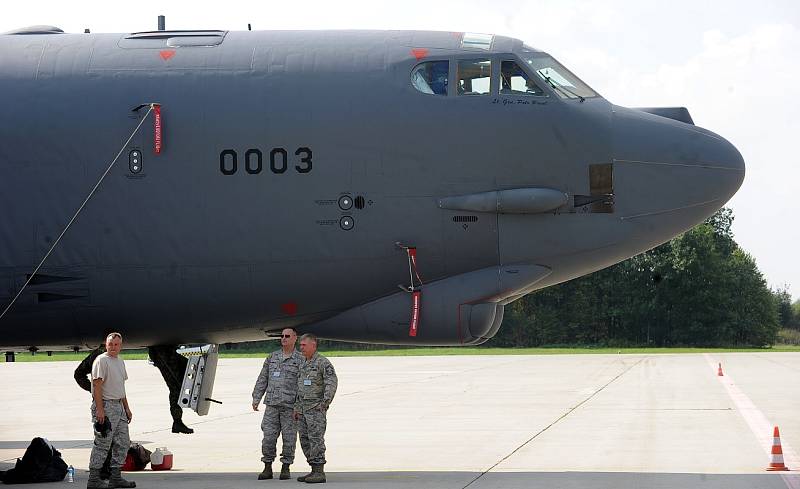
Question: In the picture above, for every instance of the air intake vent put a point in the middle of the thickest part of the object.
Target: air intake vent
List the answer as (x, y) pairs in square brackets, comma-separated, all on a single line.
[(35, 29), (465, 218), (359, 202), (173, 39), (168, 34)]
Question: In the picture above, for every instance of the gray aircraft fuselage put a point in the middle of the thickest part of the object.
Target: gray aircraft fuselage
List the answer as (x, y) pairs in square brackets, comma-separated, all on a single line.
[(292, 164)]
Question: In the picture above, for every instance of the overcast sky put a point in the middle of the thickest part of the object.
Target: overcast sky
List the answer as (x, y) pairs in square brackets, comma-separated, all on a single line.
[(734, 64)]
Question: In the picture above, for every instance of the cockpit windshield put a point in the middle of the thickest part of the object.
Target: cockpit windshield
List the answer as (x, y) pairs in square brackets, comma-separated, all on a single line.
[(556, 76)]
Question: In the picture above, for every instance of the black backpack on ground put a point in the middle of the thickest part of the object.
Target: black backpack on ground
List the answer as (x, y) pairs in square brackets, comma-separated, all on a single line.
[(41, 463), (140, 456)]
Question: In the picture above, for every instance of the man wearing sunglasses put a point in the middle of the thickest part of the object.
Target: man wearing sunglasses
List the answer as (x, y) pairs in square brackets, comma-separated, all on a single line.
[(278, 379)]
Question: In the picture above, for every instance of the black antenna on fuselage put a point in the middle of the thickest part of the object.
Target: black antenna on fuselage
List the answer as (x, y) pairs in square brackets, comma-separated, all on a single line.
[(162, 23)]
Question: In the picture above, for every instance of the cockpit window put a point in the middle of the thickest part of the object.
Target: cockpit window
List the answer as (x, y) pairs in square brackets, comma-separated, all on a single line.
[(514, 81), (472, 40), (557, 77), (474, 77), (431, 77)]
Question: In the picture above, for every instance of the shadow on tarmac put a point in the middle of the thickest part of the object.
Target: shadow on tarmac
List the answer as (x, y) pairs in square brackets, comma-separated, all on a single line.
[(59, 444), (455, 480)]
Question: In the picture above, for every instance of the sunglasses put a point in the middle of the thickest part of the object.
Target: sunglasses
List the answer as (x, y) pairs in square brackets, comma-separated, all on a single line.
[(287, 336)]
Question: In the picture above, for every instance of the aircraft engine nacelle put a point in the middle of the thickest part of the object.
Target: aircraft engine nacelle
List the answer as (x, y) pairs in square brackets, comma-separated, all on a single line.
[(465, 309)]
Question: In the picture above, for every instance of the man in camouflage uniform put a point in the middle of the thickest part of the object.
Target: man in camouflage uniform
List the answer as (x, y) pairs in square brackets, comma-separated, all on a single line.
[(316, 386), (110, 415), (172, 367), (278, 379), (82, 374)]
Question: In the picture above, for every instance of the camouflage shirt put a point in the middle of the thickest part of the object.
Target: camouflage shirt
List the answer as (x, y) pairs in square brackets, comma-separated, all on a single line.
[(316, 383), (278, 378)]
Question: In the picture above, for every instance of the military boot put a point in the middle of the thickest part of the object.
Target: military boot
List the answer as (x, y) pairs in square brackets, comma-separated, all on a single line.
[(117, 480), (266, 473), (302, 478), (94, 481), (285, 475), (179, 427), (317, 475)]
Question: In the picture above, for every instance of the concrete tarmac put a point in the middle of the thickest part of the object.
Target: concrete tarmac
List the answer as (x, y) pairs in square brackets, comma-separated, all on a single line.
[(560, 421)]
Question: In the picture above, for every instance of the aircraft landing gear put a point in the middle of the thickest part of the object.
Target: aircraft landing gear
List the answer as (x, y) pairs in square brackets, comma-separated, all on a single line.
[(10, 357)]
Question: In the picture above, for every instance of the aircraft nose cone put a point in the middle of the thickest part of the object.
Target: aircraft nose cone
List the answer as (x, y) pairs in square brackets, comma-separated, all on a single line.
[(662, 166), (729, 159)]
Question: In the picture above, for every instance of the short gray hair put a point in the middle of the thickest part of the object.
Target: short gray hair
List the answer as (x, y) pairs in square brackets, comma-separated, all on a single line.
[(309, 337), (111, 336)]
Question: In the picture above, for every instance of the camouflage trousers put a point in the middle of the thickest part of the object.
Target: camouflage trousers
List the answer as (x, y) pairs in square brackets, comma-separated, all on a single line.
[(278, 421), (117, 441), (311, 427)]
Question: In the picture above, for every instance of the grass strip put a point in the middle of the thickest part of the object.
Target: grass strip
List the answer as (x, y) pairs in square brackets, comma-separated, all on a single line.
[(141, 354)]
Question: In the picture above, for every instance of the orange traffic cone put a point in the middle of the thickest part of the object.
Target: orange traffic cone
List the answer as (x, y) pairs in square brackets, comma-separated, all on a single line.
[(719, 371), (777, 453)]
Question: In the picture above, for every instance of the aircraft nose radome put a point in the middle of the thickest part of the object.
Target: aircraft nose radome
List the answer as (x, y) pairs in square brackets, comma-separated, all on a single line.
[(665, 166), (731, 160)]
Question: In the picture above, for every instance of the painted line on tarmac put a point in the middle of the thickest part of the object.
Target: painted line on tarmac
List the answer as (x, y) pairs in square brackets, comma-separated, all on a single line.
[(567, 413), (758, 423)]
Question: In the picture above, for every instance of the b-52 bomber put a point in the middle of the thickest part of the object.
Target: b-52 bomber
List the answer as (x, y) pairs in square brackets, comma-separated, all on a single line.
[(394, 187)]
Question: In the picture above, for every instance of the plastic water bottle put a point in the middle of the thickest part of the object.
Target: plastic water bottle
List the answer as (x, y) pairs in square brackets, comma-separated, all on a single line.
[(70, 474)]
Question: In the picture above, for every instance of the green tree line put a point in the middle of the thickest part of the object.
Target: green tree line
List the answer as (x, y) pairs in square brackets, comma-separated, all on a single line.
[(699, 289)]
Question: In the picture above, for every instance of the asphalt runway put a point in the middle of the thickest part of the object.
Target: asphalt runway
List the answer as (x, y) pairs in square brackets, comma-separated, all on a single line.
[(560, 421)]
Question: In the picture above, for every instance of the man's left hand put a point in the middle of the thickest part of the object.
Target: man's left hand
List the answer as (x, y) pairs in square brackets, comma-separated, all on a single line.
[(129, 414)]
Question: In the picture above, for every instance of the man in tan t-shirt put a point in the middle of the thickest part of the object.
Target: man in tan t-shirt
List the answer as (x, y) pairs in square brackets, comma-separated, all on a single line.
[(109, 401)]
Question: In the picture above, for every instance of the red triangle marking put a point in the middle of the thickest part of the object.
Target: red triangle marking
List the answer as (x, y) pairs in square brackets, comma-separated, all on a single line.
[(419, 53), (167, 54), (289, 308)]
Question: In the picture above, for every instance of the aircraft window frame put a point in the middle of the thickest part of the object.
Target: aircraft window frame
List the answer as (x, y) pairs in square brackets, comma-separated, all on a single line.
[(522, 66), (475, 40), (563, 82), (423, 85), (492, 89)]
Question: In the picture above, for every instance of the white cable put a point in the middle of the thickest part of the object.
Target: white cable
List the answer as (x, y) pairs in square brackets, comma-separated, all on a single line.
[(30, 277)]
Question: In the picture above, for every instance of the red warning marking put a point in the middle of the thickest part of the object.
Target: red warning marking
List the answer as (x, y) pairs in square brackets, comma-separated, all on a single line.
[(167, 54), (158, 141), (289, 308), (419, 53), (416, 296)]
